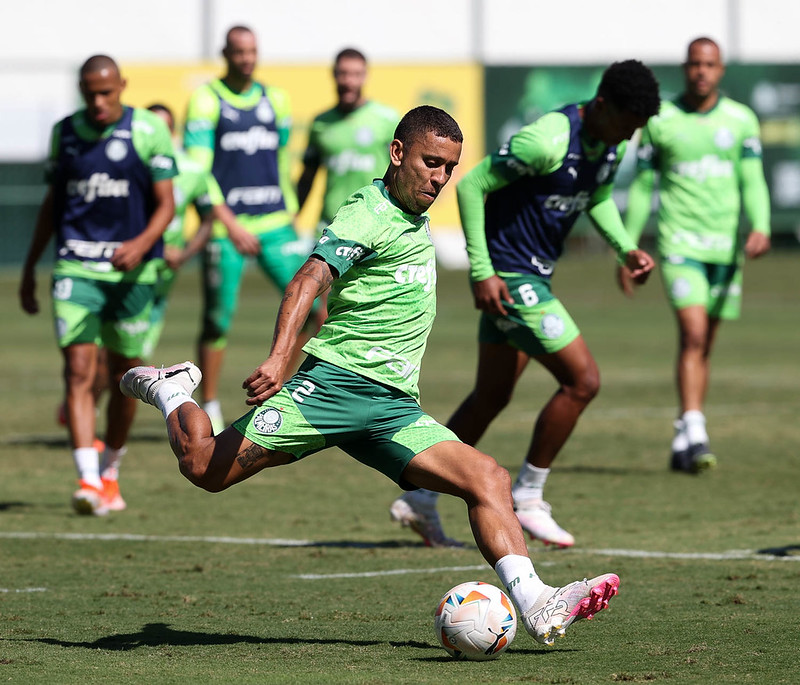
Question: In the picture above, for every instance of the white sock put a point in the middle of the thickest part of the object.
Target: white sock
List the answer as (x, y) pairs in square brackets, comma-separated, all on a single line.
[(695, 424), (519, 579), (214, 411), (109, 468), (680, 442), (87, 461), (530, 483), (170, 396)]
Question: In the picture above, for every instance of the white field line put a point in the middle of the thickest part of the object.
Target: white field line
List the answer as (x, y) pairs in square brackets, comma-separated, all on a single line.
[(6, 590), (730, 555)]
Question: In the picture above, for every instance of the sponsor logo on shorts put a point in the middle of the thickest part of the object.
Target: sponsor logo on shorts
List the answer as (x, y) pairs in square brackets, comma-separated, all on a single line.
[(62, 289), (505, 325), (268, 420), (681, 287), (425, 421), (61, 327), (133, 327), (729, 290), (552, 326)]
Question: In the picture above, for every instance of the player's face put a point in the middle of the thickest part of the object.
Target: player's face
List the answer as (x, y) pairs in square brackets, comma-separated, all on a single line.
[(349, 74), (703, 70), (420, 170), (241, 54), (613, 125), (101, 90)]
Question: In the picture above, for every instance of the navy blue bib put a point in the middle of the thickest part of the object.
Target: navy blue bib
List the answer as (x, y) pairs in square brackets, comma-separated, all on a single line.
[(528, 220), (103, 193), (245, 165)]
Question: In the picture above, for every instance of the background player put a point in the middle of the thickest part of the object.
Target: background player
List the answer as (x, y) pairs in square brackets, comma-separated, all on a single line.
[(238, 129), (358, 387), (706, 150), (350, 142), (517, 208), (108, 203)]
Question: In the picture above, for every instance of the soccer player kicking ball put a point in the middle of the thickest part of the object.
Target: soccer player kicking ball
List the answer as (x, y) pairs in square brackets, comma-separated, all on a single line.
[(357, 390)]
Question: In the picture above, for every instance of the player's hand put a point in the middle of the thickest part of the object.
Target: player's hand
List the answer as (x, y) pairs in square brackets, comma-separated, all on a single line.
[(757, 244), (490, 294), (128, 255), (639, 265), (27, 293), (265, 381), (244, 241), (174, 257), (624, 280)]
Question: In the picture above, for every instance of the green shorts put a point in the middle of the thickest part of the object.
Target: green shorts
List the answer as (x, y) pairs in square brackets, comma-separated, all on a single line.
[(717, 287), (115, 315), (326, 406), (537, 323), (282, 254)]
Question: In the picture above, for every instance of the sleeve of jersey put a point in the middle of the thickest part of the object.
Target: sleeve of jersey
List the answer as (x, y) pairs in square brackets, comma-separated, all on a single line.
[(202, 201), (606, 219), (349, 240), (755, 194), (153, 142), (641, 189), (201, 121)]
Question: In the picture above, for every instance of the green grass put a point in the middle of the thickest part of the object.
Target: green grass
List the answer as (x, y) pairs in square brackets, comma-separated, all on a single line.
[(161, 608)]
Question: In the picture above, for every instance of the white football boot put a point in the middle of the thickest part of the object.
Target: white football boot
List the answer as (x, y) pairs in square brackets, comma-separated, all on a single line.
[(419, 514), (536, 520), (557, 608), (142, 382)]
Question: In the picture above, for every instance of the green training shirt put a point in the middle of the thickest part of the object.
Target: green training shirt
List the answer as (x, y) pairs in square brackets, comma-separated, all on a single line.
[(151, 140), (190, 187), (353, 148), (382, 306), (199, 136), (706, 161)]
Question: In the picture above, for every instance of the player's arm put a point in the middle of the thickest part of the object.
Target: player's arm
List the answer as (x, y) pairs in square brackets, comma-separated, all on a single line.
[(154, 146), (41, 237), (311, 280), (43, 231), (202, 117), (755, 194)]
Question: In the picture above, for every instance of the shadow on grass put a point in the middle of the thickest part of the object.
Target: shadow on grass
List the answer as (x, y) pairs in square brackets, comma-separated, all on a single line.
[(161, 635), (5, 506), (786, 551), (61, 441)]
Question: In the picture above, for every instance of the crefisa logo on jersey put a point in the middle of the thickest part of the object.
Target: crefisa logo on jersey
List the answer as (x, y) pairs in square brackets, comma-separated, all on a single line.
[(116, 150), (724, 139), (268, 420)]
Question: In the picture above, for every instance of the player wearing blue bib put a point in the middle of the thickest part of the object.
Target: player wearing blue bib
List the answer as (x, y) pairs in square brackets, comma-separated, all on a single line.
[(517, 209), (109, 201)]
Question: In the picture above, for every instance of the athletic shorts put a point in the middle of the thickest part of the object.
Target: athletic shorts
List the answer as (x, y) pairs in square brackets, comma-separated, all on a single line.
[(282, 254), (717, 287), (537, 323), (326, 406), (115, 315)]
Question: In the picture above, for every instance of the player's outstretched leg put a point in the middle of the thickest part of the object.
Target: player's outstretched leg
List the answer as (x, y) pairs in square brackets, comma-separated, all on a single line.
[(417, 510), (558, 608)]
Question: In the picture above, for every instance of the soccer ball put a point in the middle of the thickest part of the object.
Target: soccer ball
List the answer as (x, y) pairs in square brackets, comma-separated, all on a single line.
[(475, 621)]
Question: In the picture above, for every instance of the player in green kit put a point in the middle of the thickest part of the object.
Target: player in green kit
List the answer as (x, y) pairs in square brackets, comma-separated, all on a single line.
[(238, 129), (193, 186), (706, 151), (350, 142), (109, 201), (358, 388)]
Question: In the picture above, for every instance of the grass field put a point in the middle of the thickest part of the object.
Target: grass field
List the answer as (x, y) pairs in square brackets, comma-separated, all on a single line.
[(299, 576)]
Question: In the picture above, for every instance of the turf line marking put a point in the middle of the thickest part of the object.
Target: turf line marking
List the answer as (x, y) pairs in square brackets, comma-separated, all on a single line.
[(393, 572), (6, 590), (730, 555)]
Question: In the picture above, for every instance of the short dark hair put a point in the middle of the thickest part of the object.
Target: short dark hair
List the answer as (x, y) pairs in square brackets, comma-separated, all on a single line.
[(350, 53), (236, 29), (424, 119), (159, 107), (632, 87), (702, 40), (97, 63)]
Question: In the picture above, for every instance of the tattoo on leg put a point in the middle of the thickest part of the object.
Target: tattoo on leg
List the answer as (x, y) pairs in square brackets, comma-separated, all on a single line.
[(250, 456)]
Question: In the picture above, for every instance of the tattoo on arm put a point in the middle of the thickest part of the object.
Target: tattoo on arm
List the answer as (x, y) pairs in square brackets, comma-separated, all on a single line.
[(251, 456), (318, 271)]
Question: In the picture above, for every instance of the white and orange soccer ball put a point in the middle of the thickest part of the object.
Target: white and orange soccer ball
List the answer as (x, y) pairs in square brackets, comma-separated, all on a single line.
[(475, 621)]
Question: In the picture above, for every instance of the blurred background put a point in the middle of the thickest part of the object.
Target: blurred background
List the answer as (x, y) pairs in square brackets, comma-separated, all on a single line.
[(494, 64)]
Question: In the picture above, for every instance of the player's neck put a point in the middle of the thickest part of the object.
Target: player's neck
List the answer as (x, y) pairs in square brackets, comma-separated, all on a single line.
[(349, 107), (237, 83), (700, 103)]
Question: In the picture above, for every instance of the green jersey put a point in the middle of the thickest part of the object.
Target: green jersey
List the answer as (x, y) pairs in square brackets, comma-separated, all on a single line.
[(382, 306), (353, 147), (702, 160), (190, 186)]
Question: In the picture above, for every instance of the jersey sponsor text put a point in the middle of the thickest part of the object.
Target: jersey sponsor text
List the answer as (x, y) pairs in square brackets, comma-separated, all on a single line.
[(98, 185)]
